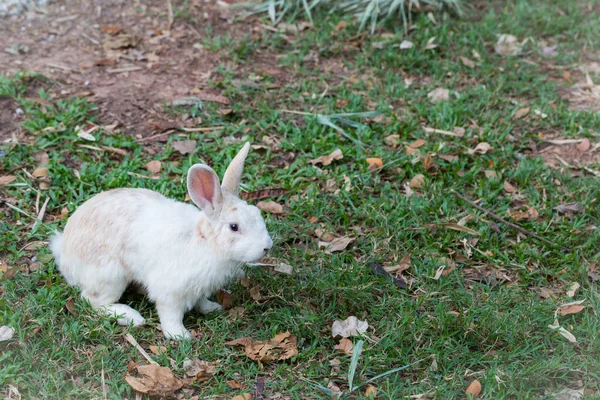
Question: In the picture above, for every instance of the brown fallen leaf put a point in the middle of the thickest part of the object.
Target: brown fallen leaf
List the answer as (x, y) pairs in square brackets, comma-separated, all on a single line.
[(508, 188), (370, 391), (235, 384), (255, 293), (572, 290), (474, 389), (263, 194), (270, 206), (224, 298), (584, 145), (508, 45), (157, 350), (217, 98), (155, 380), (439, 94), (70, 306), (530, 214), (570, 309), (417, 181), (400, 267), (391, 140), (569, 208), (282, 347), (185, 146), (521, 112), (467, 62), (112, 29), (428, 163), (345, 346), (199, 370), (337, 244), (377, 162), (40, 172), (417, 143), (154, 166), (328, 159), (237, 312), (6, 179), (481, 148), (245, 396)]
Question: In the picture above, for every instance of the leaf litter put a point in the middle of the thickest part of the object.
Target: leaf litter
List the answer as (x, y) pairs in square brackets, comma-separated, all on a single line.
[(283, 346), (328, 159), (351, 326)]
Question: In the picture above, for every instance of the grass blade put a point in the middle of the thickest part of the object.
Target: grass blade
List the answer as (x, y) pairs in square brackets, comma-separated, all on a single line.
[(354, 363), (391, 371)]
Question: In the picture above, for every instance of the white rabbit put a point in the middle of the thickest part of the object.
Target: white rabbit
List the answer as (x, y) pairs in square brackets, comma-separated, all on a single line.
[(180, 254)]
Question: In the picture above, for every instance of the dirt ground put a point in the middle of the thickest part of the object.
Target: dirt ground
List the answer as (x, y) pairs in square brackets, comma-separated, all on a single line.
[(126, 57)]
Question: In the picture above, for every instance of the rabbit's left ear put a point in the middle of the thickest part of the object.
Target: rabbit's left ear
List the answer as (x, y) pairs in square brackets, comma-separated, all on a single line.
[(203, 187), (231, 179)]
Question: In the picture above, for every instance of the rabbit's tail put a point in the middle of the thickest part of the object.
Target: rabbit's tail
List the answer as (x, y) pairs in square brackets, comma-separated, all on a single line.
[(56, 245)]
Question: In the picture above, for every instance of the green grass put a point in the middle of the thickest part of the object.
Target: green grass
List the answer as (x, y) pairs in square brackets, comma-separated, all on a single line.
[(473, 326)]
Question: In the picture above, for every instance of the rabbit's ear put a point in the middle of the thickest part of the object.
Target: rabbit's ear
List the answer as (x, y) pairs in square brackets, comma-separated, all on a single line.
[(231, 179), (203, 187)]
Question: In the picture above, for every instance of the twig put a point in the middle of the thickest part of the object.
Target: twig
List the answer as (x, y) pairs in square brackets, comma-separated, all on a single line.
[(139, 348), (204, 129), (104, 394), (500, 219), (443, 132), (170, 10), (146, 139), (58, 66), (124, 69)]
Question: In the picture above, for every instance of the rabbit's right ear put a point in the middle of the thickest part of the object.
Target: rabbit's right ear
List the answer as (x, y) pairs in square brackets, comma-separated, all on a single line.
[(204, 189)]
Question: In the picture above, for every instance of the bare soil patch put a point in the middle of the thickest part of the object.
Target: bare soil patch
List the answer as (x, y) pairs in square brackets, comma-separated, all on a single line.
[(126, 58)]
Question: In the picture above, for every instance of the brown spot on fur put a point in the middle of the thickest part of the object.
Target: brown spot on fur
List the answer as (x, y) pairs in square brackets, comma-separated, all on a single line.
[(234, 209), (199, 231)]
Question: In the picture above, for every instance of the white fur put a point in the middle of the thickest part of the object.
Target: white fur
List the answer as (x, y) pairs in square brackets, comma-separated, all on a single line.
[(180, 254)]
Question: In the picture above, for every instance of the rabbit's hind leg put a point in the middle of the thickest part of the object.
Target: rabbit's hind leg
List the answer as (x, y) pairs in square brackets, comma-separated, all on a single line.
[(105, 288)]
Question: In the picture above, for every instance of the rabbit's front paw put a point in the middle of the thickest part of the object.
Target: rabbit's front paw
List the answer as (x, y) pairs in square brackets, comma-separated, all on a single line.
[(176, 332), (206, 306)]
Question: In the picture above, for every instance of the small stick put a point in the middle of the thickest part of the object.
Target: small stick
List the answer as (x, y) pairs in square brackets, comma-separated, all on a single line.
[(170, 14), (40, 216), (135, 344), (500, 219)]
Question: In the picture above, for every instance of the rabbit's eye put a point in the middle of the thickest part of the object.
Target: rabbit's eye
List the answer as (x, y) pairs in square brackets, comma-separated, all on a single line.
[(234, 227)]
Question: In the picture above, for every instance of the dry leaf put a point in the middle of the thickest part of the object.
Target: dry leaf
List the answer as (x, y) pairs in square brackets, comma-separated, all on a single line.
[(326, 160), (427, 162), (448, 157), (70, 306), (467, 62), (217, 98), (337, 244), (391, 140), (351, 326), (6, 333), (508, 45), (153, 166), (370, 391), (6, 179), (431, 44), (155, 380), (235, 384), (481, 148), (572, 289), (406, 44), (509, 188), (157, 350), (255, 293), (570, 309), (86, 134), (584, 145), (490, 174), (417, 181), (199, 370), (245, 396), (399, 268), (439, 94), (345, 346), (521, 112), (284, 268), (224, 298), (474, 389), (378, 162), (185, 146), (417, 143), (565, 333), (40, 172), (270, 206), (237, 312), (569, 207), (282, 347)]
